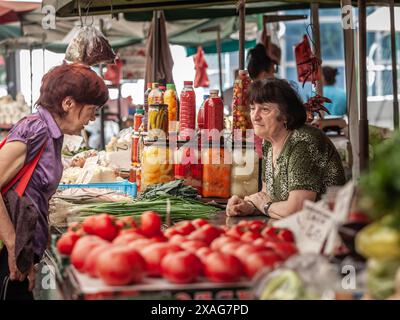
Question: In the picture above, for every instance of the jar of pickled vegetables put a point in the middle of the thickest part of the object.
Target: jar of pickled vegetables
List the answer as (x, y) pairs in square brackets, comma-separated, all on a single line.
[(216, 162), (244, 174), (188, 165), (158, 121), (157, 163)]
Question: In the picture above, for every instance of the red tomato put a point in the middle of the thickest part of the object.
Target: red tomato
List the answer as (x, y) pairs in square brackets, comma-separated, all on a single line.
[(220, 241), (249, 236), (286, 235), (135, 232), (150, 223), (230, 247), (102, 225), (126, 223), (222, 267), (120, 266), (91, 261), (140, 244), (67, 242), (153, 255), (181, 267), (203, 252), (245, 250), (192, 245), (256, 226), (159, 238), (199, 222), (283, 249), (127, 238), (177, 239), (269, 231), (235, 232), (74, 227), (206, 233), (260, 242), (184, 227), (82, 249), (170, 232), (259, 260)]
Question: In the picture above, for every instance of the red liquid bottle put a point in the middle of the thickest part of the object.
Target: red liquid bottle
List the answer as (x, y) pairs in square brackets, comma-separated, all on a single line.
[(187, 115)]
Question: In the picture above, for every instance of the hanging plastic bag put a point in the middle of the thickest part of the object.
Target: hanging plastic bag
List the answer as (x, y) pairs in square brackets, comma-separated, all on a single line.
[(308, 65), (89, 46)]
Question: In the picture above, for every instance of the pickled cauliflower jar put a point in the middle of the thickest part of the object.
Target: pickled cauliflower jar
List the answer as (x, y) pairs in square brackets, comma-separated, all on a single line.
[(157, 163)]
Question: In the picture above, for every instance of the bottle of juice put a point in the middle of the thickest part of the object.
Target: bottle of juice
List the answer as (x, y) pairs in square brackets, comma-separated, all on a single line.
[(170, 98), (200, 114), (146, 105), (187, 115), (214, 112), (155, 95)]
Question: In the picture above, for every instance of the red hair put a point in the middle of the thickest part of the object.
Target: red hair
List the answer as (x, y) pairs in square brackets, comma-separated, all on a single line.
[(75, 80)]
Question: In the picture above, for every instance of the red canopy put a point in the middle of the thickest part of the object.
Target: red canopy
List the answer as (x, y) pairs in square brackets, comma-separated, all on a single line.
[(11, 10)]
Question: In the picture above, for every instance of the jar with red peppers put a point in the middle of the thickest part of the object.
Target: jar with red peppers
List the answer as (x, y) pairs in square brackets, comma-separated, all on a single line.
[(187, 114), (240, 103), (188, 165)]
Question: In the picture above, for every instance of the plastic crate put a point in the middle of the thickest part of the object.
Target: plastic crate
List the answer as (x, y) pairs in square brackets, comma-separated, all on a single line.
[(126, 187)]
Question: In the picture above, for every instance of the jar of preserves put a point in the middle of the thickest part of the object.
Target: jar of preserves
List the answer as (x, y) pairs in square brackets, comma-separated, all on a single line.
[(188, 165), (244, 174), (146, 105), (158, 121), (157, 163), (135, 149), (138, 119), (216, 162), (171, 99), (240, 103), (155, 95)]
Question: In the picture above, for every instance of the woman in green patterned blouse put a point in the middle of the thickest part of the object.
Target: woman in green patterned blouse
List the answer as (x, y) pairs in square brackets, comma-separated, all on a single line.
[(299, 161)]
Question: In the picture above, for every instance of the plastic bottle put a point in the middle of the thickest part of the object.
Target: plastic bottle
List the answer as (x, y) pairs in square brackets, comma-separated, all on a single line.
[(214, 112), (187, 115), (200, 114), (170, 98), (138, 119), (155, 95)]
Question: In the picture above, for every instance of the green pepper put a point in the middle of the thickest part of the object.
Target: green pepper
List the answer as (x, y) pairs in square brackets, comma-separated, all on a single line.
[(381, 276), (379, 240), (286, 285)]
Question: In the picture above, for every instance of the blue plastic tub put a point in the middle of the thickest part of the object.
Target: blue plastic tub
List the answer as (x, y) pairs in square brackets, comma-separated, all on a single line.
[(126, 187)]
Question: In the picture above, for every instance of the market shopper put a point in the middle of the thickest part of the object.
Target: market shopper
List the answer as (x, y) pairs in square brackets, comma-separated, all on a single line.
[(70, 94), (299, 161), (337, 95)]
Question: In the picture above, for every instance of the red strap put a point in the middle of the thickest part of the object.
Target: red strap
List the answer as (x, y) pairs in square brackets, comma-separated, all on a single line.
[(24, 174)]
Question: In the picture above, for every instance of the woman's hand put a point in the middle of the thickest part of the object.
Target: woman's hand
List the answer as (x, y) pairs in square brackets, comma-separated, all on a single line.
[(260, 199), (32, 277), (15, 274), (238, 207)]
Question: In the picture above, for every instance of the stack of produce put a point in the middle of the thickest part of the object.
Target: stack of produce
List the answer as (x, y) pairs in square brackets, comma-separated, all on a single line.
[(120, 253)]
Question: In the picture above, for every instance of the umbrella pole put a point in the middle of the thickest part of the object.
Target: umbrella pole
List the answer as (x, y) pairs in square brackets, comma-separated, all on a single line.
[(362, 61), (219, 63), (31, 76), (394, 66), (317, 40), (242, 22), (351, 93), (155, 45)]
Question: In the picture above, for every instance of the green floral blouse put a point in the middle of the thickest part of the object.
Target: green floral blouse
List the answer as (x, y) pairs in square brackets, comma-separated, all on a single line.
[(308, 161)]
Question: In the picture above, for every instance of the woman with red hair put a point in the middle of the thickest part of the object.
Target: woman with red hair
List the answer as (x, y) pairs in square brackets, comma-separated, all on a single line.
[(70, 94)]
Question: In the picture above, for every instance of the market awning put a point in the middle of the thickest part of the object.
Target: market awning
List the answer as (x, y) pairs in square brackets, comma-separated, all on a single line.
[(66, 8), (11, 11)]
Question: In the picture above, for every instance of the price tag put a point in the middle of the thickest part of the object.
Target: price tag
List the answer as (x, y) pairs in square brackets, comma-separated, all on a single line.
[(88, 170), (343, 201)]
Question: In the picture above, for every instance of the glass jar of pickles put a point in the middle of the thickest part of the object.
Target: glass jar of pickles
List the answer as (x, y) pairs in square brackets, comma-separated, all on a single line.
[(216, 162), (158, 121), (188, 164), (244, 174), (157, 163)]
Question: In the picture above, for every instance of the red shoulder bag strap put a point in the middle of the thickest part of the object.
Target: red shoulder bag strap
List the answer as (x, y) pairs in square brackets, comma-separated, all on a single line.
[(24, 174)]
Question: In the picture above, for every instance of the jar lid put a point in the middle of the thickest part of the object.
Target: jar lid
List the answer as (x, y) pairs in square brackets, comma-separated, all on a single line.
[(170, 86), (188, 83), (243, 72), (158, 105), (156, 84), (214, 91), (149, 85)]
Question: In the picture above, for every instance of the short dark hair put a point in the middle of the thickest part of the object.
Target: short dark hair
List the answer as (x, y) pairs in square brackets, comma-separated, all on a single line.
[(282, 93), (258, 60), (330, 74), (75, 80)]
